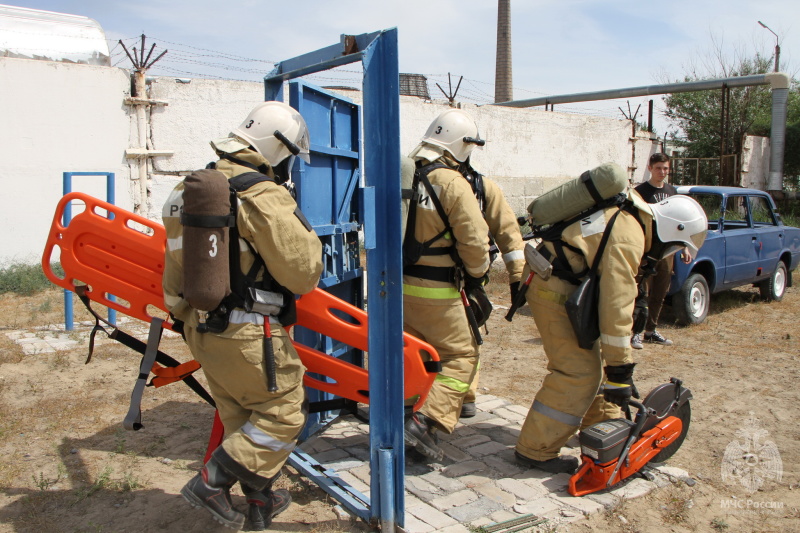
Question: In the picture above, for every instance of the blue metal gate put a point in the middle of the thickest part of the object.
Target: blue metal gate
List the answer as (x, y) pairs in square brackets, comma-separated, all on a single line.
[(326, 193)]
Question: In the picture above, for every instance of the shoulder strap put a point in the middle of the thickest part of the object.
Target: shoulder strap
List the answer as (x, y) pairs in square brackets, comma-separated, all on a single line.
[(242, 182), (604, 241)]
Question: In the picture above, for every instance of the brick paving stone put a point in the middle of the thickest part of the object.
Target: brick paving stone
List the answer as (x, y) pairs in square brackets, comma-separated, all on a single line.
[(431, 516), (607, 500), (453, 453), (557, 482), (634, 489), (504, 464), (481, 399), (422, 489), (330, 455), (536, 485), (344, 464), (516, 487), (502, 515), (361, 453), (473, 480), (415, 525), (461, 469), (318, 445), (481, 507), (460, 431), (541, 506), (493, 404), (488, 448), (469, 441), (443, 482), (458, 528), (455, 499), (584, 505), (520, 410), (493, 425), (493, 492), (356, 483), (481, 416), (509, 415), (363, 473)]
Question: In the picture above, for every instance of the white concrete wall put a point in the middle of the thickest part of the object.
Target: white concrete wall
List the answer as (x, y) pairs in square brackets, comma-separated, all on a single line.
[(63, 117), (755, 162), (56, 118)]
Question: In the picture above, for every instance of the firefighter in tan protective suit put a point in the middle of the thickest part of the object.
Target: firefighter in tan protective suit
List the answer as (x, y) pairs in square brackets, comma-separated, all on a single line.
[(261, 427), (442, 257), (569, 398), (504, 231)]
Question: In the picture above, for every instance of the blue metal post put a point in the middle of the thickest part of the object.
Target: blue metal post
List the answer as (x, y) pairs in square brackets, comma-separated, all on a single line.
[(384, 272), (69, 317), (382, 238)]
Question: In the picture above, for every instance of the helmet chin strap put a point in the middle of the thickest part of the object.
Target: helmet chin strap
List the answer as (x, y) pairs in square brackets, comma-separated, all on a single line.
[(283, 170)]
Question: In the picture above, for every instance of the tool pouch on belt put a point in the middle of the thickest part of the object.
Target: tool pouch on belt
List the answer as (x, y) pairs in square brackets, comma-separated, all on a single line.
[(582, 303), (263, 302), (582, 311)]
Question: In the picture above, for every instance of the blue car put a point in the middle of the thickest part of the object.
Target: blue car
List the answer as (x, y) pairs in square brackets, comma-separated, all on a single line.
[(746, 244)]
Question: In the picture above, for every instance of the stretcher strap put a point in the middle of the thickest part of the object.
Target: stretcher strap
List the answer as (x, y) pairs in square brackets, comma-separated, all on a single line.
[(133, 420)]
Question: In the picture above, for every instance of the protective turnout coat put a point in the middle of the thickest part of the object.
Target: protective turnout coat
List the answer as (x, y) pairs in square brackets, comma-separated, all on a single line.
[(261, 427), (568, 397), (504, 228), (432, 309)]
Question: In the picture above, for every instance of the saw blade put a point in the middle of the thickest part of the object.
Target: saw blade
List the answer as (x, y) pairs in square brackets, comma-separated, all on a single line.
[(684, 413)]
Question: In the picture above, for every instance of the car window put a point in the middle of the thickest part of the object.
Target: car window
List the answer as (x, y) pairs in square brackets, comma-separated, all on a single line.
[(736, 213), (712, 205), (761, 211)]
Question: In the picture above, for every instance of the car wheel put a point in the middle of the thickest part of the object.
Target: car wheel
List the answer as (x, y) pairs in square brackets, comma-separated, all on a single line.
[(691, 302), (775, 287)]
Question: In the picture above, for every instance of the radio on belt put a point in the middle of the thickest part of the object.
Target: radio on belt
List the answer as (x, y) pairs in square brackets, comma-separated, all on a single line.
[(604, 441)]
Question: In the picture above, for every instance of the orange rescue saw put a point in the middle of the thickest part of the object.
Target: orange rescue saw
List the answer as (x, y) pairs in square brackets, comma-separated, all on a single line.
[(616, 449)]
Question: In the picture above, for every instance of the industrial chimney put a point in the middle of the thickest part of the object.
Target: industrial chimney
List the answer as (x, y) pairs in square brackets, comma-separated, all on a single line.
[(502, 75)]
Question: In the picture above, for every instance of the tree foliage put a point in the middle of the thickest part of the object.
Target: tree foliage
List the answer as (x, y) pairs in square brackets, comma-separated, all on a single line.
[(699, 114)]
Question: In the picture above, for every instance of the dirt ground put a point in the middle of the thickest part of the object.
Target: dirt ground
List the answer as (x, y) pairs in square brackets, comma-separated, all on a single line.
[(66, 464)]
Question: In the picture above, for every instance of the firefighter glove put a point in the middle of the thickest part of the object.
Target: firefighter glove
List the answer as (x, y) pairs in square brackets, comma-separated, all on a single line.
[(619, 385), (471, 283)]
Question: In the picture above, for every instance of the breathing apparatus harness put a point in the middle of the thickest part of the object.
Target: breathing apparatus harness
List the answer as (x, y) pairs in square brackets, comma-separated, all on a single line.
[(265, 296), (476, 303)]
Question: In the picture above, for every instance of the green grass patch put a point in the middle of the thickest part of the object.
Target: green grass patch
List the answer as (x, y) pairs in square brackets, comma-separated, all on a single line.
[(26, 279)]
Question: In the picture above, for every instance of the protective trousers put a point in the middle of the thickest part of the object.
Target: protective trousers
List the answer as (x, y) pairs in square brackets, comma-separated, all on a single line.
[(446, 328), (657, 288), (261, 427), (568, 397)]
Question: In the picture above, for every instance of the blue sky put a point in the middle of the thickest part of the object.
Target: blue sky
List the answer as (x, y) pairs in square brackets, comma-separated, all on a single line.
[(559, 46)]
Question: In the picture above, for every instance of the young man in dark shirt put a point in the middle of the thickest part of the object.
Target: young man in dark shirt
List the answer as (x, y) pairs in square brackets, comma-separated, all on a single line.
[(655, 190)]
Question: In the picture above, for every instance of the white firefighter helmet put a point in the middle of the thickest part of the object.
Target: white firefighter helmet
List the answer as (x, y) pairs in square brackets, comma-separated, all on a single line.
[(455, 131), (679, 221), (276, 131)]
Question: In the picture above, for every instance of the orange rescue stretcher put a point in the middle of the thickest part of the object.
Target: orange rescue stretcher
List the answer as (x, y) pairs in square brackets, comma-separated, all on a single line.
[(116, 258)]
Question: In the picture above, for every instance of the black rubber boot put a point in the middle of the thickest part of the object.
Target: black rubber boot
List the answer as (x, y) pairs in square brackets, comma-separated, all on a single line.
[(211, 490), (420, 432), (468, 410), (264, 505), (563, 464)]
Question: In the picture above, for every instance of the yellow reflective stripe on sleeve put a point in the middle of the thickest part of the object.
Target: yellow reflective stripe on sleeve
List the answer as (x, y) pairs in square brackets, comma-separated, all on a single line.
[(433, 293), (618, 342), (551, 296), (452, 383)]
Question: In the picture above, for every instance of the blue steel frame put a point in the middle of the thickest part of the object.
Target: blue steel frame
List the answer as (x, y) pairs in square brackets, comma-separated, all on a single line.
[(382, 237), (329, 194), (69, 321)]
